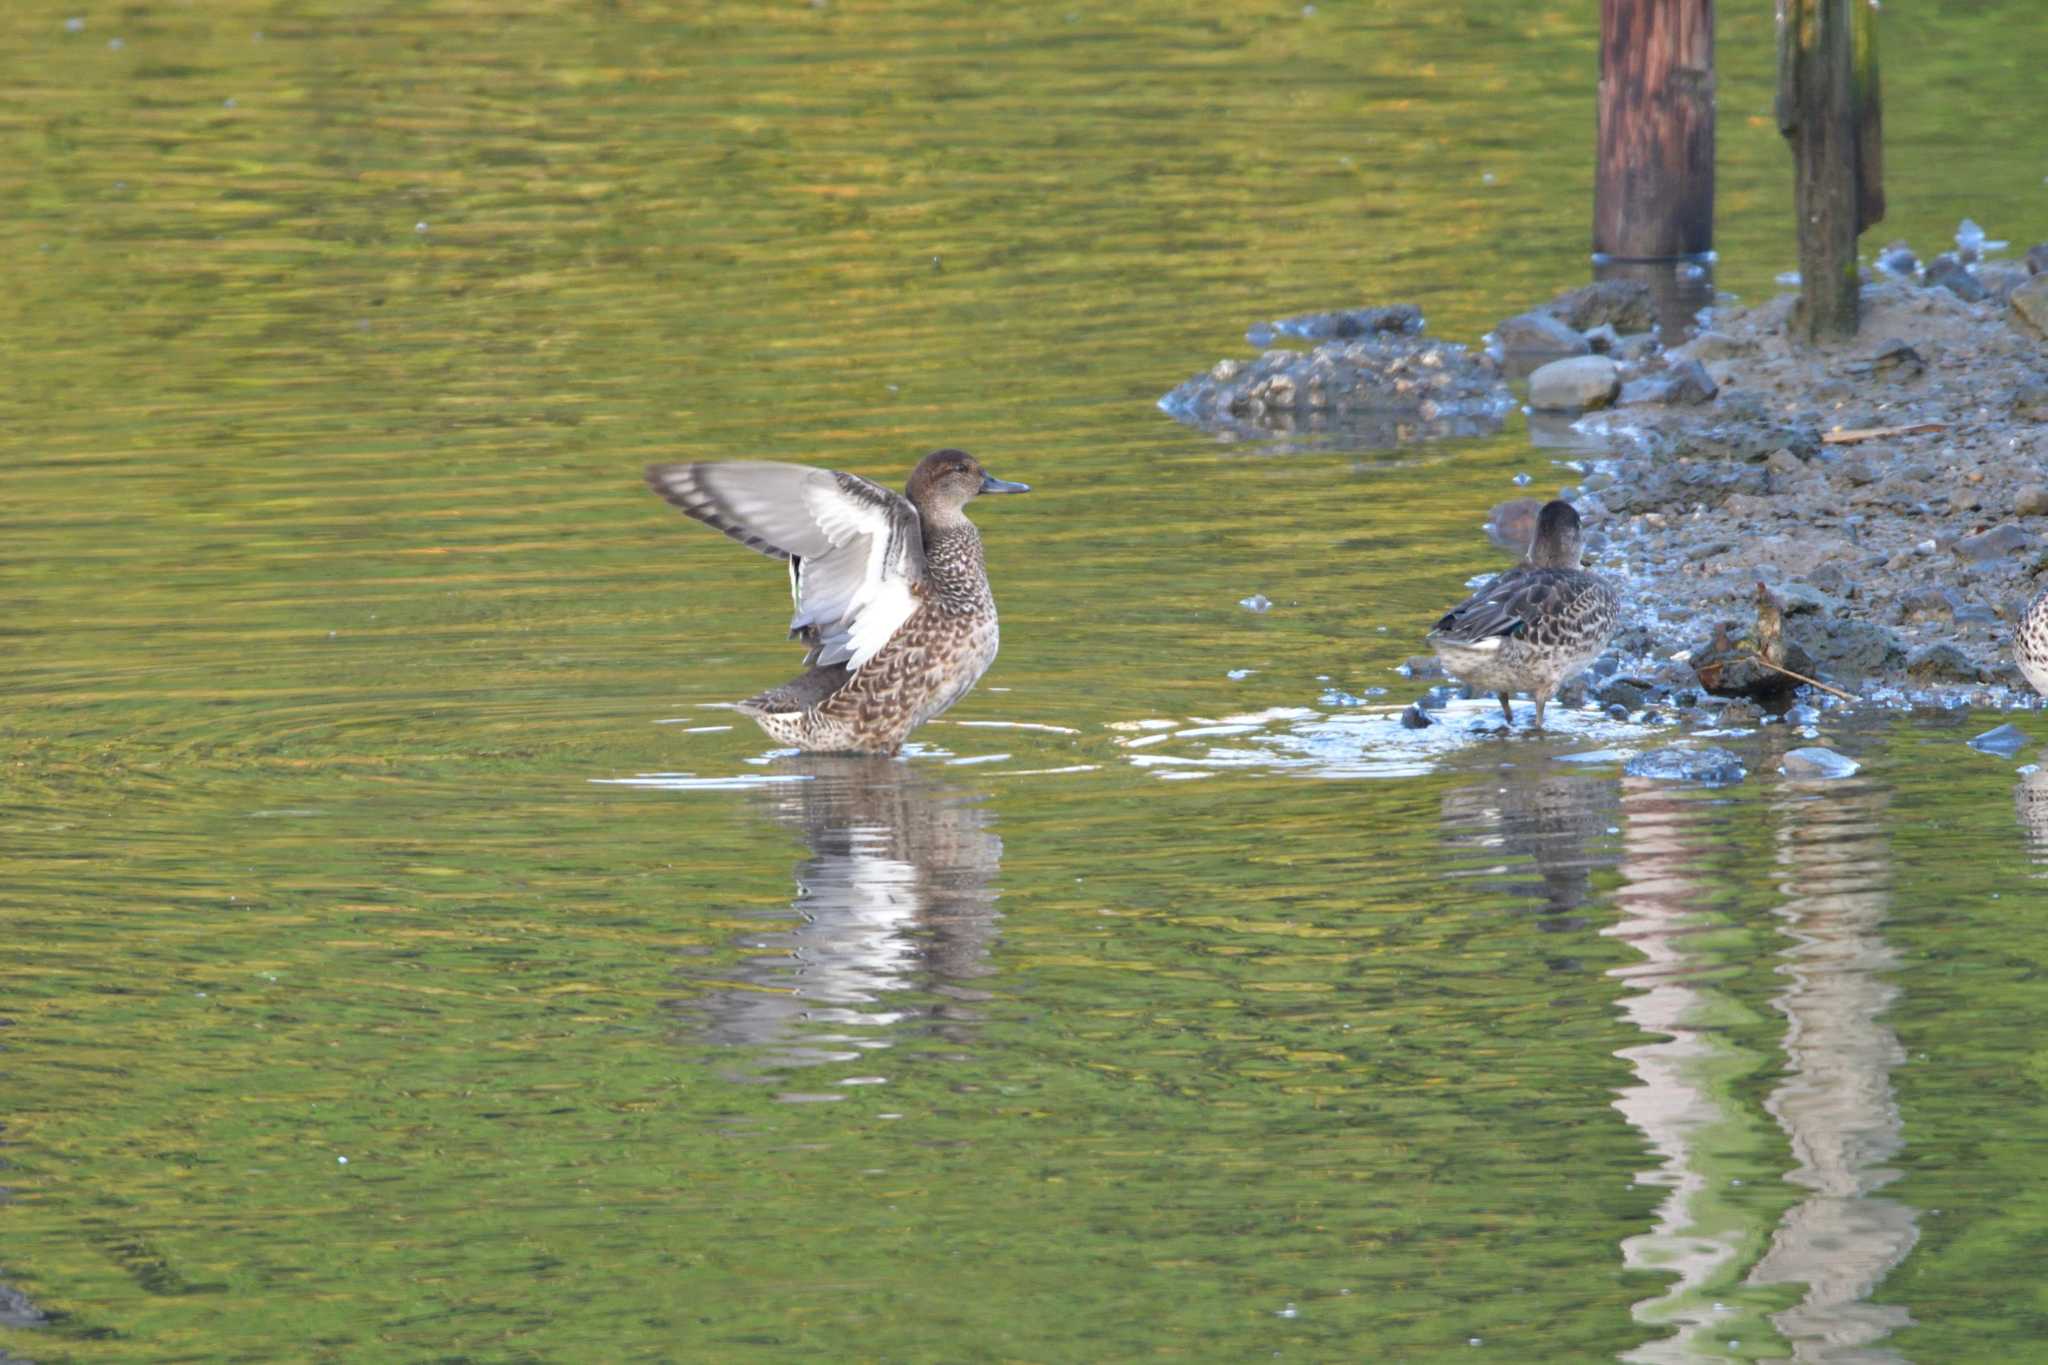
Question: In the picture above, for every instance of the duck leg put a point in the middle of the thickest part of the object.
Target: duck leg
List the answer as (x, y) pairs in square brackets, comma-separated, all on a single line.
[(1540, 699), (1507, 711)]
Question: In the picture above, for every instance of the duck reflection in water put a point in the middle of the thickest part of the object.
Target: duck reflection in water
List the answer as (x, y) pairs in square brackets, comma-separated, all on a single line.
[(2030, 801), (894, 916), (1546, 825)]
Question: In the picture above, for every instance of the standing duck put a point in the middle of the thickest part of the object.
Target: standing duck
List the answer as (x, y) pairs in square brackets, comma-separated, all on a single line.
[(1534, 626), (892, 598), (2030, 642)]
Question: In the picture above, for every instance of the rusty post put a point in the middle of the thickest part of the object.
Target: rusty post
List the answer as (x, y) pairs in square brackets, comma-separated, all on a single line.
[(1829, 110), (1653, 189)]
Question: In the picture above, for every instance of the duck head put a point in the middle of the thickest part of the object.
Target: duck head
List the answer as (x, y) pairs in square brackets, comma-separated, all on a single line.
[(947, 480), (1556, 543)]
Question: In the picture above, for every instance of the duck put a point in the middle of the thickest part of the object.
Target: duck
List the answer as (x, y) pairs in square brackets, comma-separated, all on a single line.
[(1534, 627), (892, 598), (2030, 642)]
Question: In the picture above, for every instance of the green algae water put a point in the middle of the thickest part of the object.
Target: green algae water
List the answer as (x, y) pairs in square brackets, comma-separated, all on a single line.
[(409, 959)]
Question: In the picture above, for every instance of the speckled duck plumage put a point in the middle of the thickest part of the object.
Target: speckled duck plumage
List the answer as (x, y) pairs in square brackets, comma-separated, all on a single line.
[(1534, 627), (2030, 642), (892, 598)]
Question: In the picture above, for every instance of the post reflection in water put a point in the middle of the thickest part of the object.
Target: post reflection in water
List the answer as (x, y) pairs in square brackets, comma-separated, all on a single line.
[(894, 914), (1834, 1103)]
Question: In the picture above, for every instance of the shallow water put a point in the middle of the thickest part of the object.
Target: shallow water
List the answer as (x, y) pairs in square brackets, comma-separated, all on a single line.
[(411, 961)]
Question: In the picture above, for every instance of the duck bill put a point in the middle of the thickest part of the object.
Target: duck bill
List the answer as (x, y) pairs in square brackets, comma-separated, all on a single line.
[(991, 484)]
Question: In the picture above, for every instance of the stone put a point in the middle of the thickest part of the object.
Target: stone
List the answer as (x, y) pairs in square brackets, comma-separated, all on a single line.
[(1625, 305), (1996, 543), (1711, 346), (1533, 334), (1636, 346), (1816, 762), (2030, 402), (1650, 390), (2003, 740), (2002, 279), (1581, 382), (2029, 305), (1940, 662), (2037, 259), (1947, 272), (1603, 339), (1712, 766), (1415, 718), (1898, 259), (1399, 319), (1690, 384), (1925, 603), (1623, 693), (1854, 648), (1897, 361), (1423, 666), (2030, 499)]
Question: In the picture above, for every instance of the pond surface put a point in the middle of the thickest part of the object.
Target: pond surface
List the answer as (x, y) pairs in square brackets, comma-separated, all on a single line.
[(410, 961)]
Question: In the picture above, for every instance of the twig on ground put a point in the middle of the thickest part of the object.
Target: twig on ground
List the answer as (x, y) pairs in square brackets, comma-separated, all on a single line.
[(1810, 682), (1850, 437)]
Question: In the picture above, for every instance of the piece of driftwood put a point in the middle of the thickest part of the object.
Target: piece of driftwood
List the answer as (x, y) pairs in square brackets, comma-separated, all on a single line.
[(1854, 434)]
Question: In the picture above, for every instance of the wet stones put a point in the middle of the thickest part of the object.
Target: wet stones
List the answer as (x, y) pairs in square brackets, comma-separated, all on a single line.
[(2037, 259), (1815, 763), (1530, 339), (1851, 649), (1399, 319), (1709, 765), (1377, 390), (1575, 384), (2003, 740), (1948, 272), (2030, 499)]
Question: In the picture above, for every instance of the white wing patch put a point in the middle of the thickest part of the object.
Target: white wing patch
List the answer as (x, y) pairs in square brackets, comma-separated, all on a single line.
[(859, 595)]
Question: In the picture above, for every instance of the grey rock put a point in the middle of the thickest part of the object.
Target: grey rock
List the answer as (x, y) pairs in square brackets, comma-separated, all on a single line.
[(1854, 648), (2003, 740), (1533, 334), (1803, 599), (1623, 693), (1898, 259), (1995, 543), (2030, 402), (1581, 382), (2002, 279), (1711, 346), (2037, 259), (1625, 305), (1258, 603), (1423, 666), (1897, 361), (2031, 499), (1690, 383), (1650, 390), (1715, 767), (2029, 304), (1603, 339), (1816, 762), (1947, 272), (1415, 718), (1636, 346), (1925, 603), (1940, 662)]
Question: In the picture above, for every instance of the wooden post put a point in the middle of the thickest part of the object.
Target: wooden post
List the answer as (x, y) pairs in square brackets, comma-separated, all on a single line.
[(1653, 190), (1829, 110)]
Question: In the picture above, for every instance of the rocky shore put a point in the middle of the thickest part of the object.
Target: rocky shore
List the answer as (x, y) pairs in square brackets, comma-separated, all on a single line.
[(1891, 492), (1884, 499)]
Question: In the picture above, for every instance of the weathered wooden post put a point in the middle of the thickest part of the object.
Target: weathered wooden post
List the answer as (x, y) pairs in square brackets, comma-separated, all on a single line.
[(1829, 110), (1653, 190)]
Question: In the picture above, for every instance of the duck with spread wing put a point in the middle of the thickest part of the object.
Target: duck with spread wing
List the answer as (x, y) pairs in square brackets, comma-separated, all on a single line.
[(892, 598)]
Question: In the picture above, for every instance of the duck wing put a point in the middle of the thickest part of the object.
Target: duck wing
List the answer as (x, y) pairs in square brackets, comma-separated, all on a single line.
[(1501, 610), (855, 549)]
